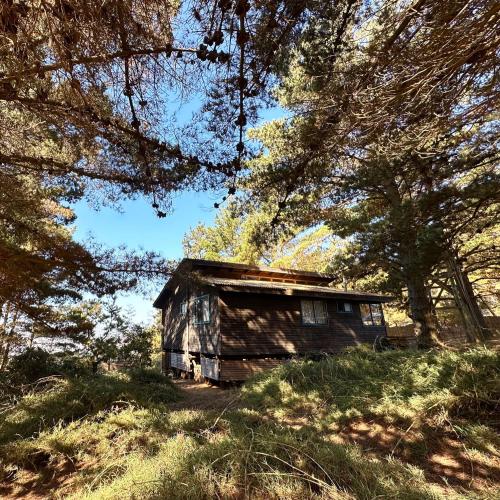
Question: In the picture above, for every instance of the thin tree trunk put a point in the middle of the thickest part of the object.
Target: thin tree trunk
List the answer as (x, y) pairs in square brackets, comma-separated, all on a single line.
[(4, 347), (475, 325), (5, 356), (8, 340), (421, 313)]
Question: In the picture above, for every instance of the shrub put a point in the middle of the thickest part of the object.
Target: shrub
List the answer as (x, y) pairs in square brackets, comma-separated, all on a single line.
[(36, 363), (31, 365), (147, 376), (71, 365)]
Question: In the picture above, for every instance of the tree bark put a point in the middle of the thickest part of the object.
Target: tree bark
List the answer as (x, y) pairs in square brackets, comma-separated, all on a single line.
[(424, 321), (475, 325), (4, 347), (8, 340)]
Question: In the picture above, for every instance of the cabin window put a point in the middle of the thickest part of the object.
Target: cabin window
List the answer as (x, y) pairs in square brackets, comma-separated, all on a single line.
[(371, 314), (344, 307), (313, 312), (184, 308), (202, 310)]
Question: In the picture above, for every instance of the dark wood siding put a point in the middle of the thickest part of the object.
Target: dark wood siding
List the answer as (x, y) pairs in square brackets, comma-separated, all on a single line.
[(259, 324), (175, 333), (180, 331), (238, 369), (205, 338)]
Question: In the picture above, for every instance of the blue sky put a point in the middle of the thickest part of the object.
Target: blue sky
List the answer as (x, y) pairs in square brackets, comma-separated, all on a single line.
[(137, 227)]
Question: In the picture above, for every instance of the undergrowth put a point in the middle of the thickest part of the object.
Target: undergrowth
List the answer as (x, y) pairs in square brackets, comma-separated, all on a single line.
[(60, 400), (397, 385), (118, 436)]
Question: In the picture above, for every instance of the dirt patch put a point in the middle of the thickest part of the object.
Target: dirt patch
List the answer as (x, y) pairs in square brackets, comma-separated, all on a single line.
[(34, 485), (443, 457), (203, 396)]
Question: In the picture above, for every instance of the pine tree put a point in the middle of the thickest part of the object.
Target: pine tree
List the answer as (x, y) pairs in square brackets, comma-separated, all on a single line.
[(392, 134)]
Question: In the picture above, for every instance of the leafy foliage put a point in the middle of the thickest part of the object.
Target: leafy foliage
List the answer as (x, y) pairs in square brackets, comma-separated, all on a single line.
[(234, 237), (35, 363)]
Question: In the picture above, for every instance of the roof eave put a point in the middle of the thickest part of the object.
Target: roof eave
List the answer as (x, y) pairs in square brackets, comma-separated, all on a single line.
[(306, 293), (184, 266), (250, 267)]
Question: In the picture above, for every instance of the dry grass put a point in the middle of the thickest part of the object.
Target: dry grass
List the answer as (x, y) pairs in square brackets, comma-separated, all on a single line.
[(363, 425)]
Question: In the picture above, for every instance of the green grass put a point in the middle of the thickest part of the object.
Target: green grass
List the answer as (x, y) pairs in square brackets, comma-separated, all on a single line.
[(65, 399), (118, 437), (398, 386)]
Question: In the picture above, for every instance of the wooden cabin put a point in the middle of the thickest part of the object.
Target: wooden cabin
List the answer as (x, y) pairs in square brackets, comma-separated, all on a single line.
[(226, 321)]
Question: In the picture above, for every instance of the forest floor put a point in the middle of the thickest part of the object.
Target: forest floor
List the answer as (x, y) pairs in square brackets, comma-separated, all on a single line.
[(362, 425)]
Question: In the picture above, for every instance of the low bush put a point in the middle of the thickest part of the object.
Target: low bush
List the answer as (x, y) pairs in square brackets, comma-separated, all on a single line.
[(147, 376), (35, 363), (31, 365)]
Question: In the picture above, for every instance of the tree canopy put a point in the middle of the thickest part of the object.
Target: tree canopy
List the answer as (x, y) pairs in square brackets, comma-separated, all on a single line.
[(390, 137)]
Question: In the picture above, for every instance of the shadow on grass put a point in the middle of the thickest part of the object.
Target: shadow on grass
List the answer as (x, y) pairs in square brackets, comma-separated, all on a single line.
[(350, 441), (399, 385), (68, 399), (242, 456)]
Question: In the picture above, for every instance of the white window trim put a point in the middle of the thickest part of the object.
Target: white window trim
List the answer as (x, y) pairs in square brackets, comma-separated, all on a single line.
[(344, 312)]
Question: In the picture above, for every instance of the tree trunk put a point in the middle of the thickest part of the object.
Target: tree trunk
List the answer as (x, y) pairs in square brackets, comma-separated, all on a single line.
[(6, 336), (8, 340), (4, 348), (424, 321), (5, 356), (475, 324)]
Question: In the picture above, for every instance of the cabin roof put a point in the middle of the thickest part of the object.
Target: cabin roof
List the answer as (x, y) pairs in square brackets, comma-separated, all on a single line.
[(272, 287), (201, 263), (245, 283)]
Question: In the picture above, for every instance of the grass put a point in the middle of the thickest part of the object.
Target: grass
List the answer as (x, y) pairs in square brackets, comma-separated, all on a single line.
[(410, 425), (65, 399), (398, 385)]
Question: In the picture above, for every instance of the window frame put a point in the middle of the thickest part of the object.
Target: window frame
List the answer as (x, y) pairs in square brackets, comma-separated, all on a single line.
[(184, 308), (372, 321), (344, 304), (199, 300), (315, 323)]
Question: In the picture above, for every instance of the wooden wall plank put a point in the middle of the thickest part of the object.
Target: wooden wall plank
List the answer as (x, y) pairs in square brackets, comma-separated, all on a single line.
[(180, 360), (210, 368), (181, 332), (262, 325), (236, 369), (176, 326)]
